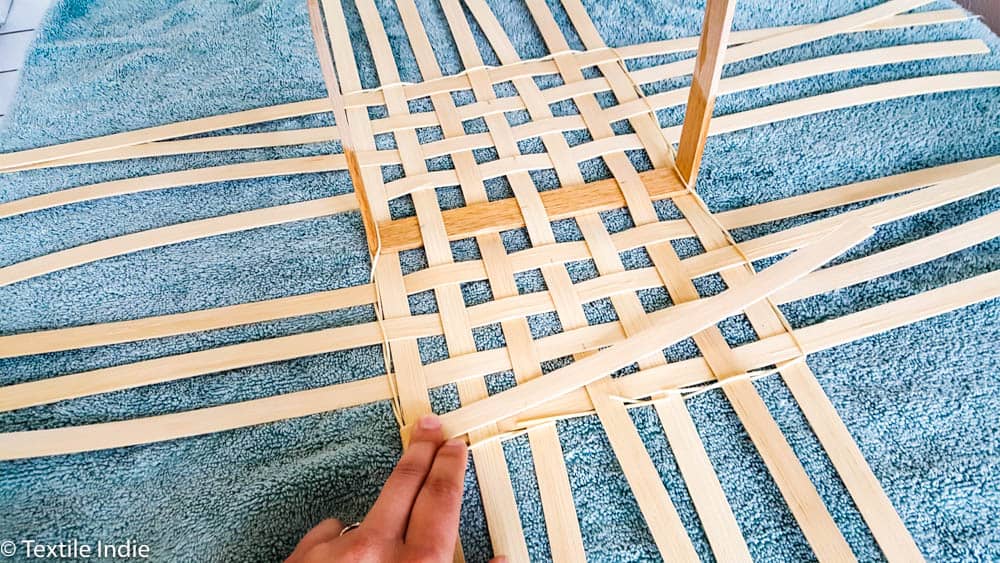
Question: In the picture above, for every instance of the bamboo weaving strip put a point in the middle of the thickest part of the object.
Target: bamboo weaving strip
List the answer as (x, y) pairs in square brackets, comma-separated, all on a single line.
[(724, 124), (498, 496), (111, 333), (290, 166), (778, 349), (885, 524), (553, 483), (895, 259), (676, 324), (750, 118), (769, 40), (565, 538), (660, 516), (892, 210), (328, 70), (669, 46), (182, 323), (217, 143), (810, 68), (107, 379), (482, 314), (767, 321), (657, 509), (637, 466), (173, 234), (276, 138), (804, 501), (716, 517), (501, 509), (401, 235), (794, 484), (623, 86), (311, 135), (170, 131), (502, 215), (410, 382), (16, 445), (76, 152), (661, 100), (657, 73), (802, 107), (654, 502), (797, 37)]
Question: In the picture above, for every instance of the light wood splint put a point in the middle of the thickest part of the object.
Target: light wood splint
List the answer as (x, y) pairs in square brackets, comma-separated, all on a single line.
[(637, 336)]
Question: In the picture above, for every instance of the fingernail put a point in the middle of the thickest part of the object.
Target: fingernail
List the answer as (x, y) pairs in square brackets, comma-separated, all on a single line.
[(429, 422), (454, 443)]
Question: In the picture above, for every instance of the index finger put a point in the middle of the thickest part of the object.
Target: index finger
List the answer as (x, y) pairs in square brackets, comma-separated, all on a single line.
[(391, 512), (434, 522)]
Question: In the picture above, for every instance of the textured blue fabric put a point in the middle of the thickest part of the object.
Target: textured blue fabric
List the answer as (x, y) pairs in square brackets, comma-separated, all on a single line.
[(920, 400)]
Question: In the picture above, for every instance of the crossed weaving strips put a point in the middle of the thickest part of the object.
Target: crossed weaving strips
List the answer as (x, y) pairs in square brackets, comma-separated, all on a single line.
[(540, 399)]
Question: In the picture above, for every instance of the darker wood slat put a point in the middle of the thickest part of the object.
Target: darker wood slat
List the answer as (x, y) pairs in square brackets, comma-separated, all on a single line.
[(504, 214)]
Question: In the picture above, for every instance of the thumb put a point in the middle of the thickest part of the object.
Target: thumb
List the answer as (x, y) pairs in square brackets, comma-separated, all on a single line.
[(500, 559)]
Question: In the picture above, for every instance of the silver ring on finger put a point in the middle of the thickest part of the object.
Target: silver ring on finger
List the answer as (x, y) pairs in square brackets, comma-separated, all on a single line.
[(350, 527)]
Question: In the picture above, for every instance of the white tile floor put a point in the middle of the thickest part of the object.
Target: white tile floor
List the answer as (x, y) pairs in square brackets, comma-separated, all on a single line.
[(15, 37)]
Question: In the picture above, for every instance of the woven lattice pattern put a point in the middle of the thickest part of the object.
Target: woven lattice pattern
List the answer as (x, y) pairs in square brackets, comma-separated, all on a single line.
[(522, 354)]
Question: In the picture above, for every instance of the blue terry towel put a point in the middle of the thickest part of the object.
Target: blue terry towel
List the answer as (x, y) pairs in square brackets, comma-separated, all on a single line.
[(921, 401)]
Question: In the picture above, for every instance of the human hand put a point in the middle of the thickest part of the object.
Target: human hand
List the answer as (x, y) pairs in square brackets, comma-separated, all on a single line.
[(415, 518)]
